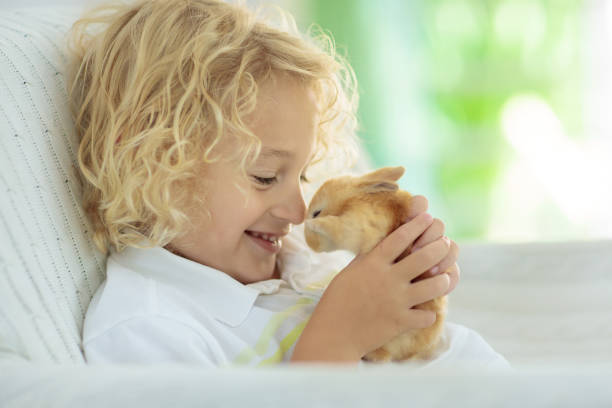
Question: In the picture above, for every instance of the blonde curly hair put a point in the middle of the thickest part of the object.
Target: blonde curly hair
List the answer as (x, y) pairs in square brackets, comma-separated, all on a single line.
[(156, 85)]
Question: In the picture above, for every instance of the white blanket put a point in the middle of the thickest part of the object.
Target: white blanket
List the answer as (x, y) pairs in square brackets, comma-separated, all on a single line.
[(543, 304)]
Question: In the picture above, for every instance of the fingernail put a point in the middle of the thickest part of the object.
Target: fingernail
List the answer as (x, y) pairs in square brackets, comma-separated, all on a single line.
[(435, 270)]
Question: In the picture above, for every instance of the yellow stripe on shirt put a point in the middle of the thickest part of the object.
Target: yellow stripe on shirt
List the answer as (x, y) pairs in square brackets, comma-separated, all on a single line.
[(320, 285), (262, 345), (285, 344)]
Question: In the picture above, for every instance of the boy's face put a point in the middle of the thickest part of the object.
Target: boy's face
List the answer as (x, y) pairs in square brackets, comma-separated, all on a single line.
[(244, 232)]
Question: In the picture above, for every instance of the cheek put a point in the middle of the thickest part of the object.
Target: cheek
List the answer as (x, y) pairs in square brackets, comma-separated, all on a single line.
[(231, 217)]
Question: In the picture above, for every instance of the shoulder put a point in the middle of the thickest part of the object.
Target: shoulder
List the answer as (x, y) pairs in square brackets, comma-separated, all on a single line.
[(122, 296), (151, 339), (129, 297)]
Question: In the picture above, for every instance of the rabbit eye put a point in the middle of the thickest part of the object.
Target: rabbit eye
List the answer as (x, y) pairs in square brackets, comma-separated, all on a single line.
[(314, 215)]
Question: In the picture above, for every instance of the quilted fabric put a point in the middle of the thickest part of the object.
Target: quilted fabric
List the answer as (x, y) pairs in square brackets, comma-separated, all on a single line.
[(49, 267)]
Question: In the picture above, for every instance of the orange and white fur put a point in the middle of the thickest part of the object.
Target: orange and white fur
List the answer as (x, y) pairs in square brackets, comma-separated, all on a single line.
[(356, 213)]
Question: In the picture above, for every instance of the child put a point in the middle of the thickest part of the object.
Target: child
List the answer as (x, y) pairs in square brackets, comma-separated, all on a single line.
[(198, 124)]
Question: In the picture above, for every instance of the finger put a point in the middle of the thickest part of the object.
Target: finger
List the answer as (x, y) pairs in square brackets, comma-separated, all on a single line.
[(418, 262), (435, 231), (453, 274), (403, 237), (428, 289), (447, 262), (418, 205), (451, 258), (420, 319)]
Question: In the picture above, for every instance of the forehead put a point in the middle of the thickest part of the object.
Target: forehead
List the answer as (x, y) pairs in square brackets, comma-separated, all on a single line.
[(285, 118)]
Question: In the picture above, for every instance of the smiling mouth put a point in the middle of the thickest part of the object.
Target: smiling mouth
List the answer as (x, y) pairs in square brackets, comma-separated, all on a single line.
[(271, 243)]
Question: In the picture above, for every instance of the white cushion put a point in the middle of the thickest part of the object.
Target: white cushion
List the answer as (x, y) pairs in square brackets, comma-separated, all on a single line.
[(49, 267)]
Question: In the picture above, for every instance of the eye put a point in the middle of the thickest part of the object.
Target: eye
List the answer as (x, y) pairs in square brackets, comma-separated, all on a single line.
[(266, 181), (316, 213)]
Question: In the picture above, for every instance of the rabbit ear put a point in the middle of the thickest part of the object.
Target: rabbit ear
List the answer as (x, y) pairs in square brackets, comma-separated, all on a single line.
[(385, 174), (381, 180), (378, 186)]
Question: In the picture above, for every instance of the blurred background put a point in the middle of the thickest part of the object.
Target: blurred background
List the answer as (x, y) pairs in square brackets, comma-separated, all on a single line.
[(500, 110)]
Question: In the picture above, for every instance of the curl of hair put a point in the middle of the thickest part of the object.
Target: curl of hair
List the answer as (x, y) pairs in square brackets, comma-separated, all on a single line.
[(156, 85)]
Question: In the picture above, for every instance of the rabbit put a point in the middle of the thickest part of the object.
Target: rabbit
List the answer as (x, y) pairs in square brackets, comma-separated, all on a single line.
[(356, 213)]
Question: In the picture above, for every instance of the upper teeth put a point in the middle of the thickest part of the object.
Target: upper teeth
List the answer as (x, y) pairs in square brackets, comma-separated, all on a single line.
[(267, 237)]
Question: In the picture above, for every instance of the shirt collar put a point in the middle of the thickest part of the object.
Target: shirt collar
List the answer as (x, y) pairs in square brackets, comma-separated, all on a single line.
[(226, 299)]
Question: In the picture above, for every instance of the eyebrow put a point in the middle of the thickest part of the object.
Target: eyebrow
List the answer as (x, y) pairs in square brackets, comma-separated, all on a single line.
[(268, 152)]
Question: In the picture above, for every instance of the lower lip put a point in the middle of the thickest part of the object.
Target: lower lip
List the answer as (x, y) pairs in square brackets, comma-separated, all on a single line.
[(265, 244)]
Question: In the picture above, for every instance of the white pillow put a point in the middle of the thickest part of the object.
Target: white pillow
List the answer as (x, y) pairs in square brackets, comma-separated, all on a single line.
[(49, 267)]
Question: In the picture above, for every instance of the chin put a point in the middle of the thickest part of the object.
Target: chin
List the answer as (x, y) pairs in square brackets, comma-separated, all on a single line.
[(253, 276)]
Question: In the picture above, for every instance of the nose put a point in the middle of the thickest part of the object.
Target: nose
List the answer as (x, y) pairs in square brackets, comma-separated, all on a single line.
[(292, 207)]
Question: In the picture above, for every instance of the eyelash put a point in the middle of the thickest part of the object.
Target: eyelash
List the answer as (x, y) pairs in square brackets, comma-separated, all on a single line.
[(266, 181)]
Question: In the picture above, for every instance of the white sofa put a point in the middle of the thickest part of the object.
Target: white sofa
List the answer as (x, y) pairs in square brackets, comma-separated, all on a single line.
[(547, 306)]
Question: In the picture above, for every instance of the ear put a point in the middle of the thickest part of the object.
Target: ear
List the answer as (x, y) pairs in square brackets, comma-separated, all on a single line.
[(381, 180), (385, 174), (377, 186)]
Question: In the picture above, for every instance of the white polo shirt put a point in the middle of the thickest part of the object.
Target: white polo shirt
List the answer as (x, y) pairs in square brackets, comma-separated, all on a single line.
[(157, 307)]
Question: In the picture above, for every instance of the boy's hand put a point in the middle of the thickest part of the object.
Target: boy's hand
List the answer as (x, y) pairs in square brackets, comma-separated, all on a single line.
[(370, 301), (434, 232)]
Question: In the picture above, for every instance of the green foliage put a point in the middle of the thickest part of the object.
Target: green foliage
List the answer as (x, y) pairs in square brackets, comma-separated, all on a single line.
[(473, 56)]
